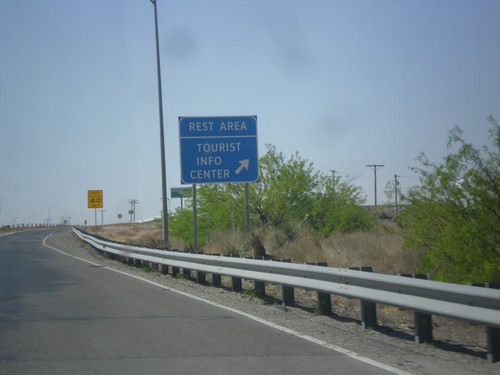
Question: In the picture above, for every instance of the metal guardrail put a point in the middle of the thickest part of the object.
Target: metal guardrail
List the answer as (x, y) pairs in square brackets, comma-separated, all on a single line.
[(424, 297)]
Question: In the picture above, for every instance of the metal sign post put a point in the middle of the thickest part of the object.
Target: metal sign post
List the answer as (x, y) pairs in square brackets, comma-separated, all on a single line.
[(95, 201), (181, 192)]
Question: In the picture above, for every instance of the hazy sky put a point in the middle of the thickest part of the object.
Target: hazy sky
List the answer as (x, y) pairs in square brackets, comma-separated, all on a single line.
[(344, 82)]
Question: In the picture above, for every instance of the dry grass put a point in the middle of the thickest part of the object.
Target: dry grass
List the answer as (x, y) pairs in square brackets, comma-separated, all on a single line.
[(144, 234), (382, 251), (226, 241), (380, 248)]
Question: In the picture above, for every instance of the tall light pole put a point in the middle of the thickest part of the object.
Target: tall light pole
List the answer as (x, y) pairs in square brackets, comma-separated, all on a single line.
[(162, 136), (375, 167)]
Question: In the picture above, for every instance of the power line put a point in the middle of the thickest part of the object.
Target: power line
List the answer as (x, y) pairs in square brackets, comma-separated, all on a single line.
[(333, 177), (396, 184)]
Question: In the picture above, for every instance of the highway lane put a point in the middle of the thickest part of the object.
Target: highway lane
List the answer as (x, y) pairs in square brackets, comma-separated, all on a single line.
[(60, 315)]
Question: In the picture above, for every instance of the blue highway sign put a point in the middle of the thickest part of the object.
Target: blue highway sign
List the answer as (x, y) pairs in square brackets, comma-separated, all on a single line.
[(218, 149)]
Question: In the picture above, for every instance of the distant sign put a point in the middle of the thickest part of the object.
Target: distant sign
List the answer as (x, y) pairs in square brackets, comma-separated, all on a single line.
[(218, 149), (95, 198), (181, 192)]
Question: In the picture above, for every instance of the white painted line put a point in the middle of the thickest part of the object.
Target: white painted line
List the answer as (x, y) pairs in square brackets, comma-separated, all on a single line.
[(44, 242)]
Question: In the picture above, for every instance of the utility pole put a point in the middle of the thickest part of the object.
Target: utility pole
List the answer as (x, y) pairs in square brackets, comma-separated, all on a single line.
[(132, 202), (333, 178), (375, 167), (102, 216), (396, 184)]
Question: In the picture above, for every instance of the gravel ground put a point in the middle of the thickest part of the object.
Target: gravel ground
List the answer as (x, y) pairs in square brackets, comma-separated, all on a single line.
[(459, 348)]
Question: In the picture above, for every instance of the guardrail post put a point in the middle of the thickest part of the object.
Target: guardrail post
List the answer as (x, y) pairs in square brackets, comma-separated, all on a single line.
[(492, 333), (235, 281), (368, 309), (186, 273), (201, 277), (493, 337), (216, 278), (259, 286), (164, 269), (423, 327), (287, 292), (324, 300), (422, 321), (260, 289), (138, 263), (236, 284), (175, 271)]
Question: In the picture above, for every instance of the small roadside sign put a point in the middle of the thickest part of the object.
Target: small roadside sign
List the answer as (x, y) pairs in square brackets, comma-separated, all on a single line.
[(94, 198), (181, 192)]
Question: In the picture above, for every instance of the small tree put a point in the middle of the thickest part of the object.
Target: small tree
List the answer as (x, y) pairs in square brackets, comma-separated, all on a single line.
[(339, 209), (287, 188), (454, 213), (182, 227), (222, 205)]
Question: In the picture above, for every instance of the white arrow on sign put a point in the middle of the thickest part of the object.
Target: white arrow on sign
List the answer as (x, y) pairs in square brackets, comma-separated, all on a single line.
[(243, 164)]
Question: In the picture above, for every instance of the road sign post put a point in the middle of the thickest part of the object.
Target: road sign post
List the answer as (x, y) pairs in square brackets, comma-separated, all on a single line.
[(181, 192), (95, 201), (218, 149)]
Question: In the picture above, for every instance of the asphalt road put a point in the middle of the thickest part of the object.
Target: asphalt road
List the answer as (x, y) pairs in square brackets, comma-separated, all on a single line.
[(61, 315)]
